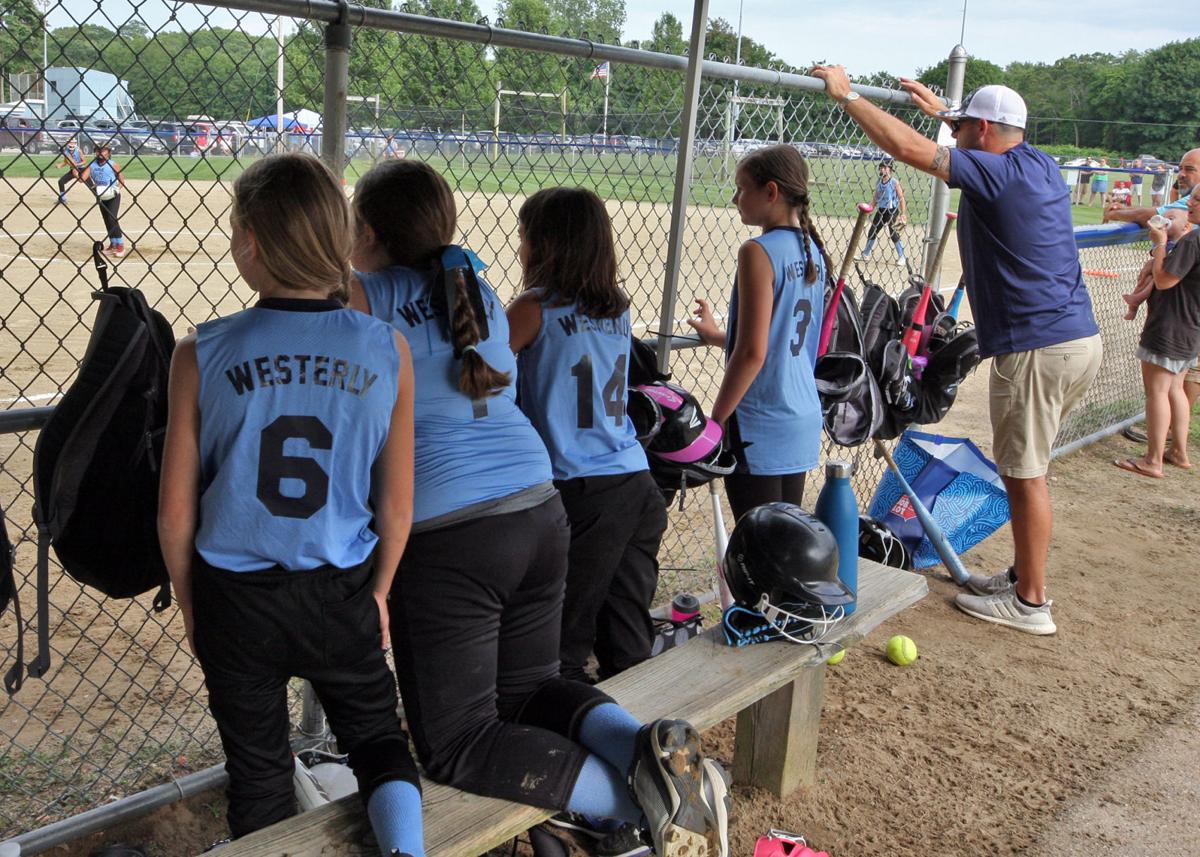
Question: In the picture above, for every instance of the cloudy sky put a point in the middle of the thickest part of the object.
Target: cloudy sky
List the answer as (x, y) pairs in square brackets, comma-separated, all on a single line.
[(900, 36)]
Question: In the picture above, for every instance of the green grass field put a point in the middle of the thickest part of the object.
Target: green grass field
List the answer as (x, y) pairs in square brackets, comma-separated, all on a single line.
[(637, 177)]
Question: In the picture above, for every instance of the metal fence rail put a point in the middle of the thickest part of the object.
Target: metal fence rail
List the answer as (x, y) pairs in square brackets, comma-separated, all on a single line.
[(499, 111)]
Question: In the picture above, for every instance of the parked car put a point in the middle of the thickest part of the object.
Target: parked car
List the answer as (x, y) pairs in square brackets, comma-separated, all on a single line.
[(174, 136), (21, 132)]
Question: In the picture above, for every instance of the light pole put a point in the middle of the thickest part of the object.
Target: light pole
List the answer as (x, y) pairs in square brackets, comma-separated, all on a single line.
[(45, 7), (279, 85), (737, 60)]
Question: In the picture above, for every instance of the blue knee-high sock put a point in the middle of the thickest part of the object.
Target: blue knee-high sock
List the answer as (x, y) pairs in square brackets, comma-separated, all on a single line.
[(601, 791), (867, 249), (610, 732), (395, 813), (899, 248)]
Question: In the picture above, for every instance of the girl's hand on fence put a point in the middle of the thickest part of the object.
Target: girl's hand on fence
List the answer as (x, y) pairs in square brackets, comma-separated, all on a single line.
[(384, 629), (922, 96), (704, 324)]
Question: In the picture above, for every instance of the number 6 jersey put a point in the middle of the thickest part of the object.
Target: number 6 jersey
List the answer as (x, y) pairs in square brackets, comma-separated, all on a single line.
[(296, 399), (572, 387), (779, 418)]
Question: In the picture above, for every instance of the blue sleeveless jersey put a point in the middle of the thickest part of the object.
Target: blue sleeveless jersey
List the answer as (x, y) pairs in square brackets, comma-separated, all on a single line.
[(467, 452), (780, 415), (103, 174), (296, 400), (886, 194), (572, 383)]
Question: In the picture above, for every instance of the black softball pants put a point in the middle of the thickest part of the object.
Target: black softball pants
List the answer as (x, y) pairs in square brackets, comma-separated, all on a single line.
[(476, 609), (884, 217), (254, 631), (617, 523), (109, 209), (72, 176)]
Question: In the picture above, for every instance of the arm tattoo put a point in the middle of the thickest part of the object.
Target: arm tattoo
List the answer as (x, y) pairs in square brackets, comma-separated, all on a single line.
[(941, 159)]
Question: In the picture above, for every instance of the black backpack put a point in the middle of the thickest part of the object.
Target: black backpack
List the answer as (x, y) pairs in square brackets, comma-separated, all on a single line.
[(96, 463), (851, 404)]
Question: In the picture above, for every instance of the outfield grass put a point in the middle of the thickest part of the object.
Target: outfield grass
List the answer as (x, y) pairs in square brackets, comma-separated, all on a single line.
[(637, 177)]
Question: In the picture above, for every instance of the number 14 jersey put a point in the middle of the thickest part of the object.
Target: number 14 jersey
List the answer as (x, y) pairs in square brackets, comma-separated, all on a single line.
[(296, 399), (572, 380)]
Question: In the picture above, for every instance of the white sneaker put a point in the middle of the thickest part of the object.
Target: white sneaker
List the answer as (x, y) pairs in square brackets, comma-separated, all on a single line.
[(862, 257), (997, 583), (900, 263), (1004, 608)]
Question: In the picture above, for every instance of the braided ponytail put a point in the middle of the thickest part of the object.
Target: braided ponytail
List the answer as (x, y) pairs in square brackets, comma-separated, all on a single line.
[(810, 231), (787, 168), (476, 378)]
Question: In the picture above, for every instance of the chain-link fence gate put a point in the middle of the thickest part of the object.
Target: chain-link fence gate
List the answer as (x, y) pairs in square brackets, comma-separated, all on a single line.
[(187, 95)]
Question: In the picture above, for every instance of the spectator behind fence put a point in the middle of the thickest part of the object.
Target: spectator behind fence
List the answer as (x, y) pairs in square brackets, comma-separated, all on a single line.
[(1189, 177), (1085, 180), (1099, 183), (1168, 346), (1177, 225), (1158, 185), (1135, 181), (1032, 310)]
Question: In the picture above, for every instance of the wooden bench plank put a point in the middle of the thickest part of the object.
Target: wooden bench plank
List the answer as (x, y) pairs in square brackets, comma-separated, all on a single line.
[(704, 682)]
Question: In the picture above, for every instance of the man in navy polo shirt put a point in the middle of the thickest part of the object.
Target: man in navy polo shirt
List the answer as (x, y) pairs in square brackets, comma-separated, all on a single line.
[(1031, 308)]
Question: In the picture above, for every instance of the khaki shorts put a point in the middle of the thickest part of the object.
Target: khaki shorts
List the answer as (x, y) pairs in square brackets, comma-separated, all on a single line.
[(1029, 394), (1193, 374)]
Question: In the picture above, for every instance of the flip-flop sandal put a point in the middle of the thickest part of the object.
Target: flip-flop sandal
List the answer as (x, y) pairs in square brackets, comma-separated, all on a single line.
[(1131, 464), (1134, 434)]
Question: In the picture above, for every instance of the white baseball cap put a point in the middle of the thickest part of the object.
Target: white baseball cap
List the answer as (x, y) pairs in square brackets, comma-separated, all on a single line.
[(994, 103)]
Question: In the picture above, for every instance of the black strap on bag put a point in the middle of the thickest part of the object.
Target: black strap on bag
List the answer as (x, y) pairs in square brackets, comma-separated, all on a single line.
[(14, 678), (97, 458)]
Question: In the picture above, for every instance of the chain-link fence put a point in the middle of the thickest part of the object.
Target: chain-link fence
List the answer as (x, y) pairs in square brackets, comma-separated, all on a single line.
[(187, 96)]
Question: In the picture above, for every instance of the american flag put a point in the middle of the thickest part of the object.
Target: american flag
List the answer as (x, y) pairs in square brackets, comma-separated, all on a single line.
[(600, 71)]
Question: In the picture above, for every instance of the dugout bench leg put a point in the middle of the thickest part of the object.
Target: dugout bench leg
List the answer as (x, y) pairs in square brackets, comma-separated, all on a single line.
[(776, 745)]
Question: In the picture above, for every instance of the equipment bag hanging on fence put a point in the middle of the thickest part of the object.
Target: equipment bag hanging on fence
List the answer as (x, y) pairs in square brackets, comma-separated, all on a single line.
[(96, 463), (851, 403)]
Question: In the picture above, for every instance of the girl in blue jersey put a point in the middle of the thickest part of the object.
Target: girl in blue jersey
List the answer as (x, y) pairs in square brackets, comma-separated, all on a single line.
[(476, 604), (891, 211), (570, 329), (103, 175), (768, 397), (286, 502)]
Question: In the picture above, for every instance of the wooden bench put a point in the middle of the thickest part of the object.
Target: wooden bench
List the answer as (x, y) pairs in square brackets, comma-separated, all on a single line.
[(775, 689)]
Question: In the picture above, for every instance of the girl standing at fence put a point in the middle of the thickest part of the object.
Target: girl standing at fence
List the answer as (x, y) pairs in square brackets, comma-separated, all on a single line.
[(476, 604), (570, 329), (768, 397), (105, 174), (286, 502)]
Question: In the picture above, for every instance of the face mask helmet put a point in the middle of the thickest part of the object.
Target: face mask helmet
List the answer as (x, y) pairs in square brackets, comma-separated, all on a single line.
[(688, 449), (782, 563)]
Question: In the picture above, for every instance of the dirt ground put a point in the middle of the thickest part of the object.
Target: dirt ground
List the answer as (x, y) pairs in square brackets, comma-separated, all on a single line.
[(993, 742)]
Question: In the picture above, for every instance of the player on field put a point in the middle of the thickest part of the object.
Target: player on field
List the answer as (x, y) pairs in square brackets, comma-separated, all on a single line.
[(768, 398), (477, 601), (287, 500)]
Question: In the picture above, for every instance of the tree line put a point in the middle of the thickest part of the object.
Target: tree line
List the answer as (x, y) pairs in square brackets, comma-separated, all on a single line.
[(1136, 102)]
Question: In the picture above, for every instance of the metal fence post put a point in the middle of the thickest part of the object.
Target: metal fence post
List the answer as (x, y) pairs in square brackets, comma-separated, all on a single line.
[(683, 182), (939, 193), (337, 80)]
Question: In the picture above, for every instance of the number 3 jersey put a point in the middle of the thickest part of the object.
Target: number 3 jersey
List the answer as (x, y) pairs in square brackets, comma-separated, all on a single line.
[(296, 399), (572, 387), (779, 417)]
